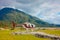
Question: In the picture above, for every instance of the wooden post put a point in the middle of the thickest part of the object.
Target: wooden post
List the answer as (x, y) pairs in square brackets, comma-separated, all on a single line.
[(13, 25)]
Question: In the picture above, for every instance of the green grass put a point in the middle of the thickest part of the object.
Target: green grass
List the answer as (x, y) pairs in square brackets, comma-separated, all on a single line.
[(6, 35), (53, 32)]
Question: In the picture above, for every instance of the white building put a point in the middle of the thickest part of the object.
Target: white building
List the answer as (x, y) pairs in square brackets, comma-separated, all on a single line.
[(28, 26)]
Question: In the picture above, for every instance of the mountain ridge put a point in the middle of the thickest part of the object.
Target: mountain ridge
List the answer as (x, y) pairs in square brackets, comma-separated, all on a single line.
[(10, 14)]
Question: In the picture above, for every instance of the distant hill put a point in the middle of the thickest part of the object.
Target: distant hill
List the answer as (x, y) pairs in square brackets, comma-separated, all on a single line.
[(10, 14)]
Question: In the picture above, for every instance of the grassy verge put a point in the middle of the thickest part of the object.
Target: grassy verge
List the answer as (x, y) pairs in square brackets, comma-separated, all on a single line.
[(53, 32), (6, 35)]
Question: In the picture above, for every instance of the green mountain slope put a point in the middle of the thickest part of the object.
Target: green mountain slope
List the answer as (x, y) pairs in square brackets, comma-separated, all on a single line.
[(8, 15)]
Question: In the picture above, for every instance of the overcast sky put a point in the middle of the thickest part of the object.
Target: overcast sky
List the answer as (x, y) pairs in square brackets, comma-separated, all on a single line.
[(47, 10)]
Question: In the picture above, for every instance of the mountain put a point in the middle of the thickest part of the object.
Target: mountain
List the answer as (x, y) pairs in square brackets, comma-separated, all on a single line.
[(7, 15)]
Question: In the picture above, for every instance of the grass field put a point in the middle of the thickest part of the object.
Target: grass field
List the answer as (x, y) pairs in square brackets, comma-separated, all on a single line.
[(52, 32), (6, 35)]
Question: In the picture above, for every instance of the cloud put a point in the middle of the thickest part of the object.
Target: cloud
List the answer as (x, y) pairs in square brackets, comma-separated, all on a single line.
[(47, 10), (26, 1)]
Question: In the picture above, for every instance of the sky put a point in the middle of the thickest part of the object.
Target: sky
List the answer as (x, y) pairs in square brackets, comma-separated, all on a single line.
[(47, 10)]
